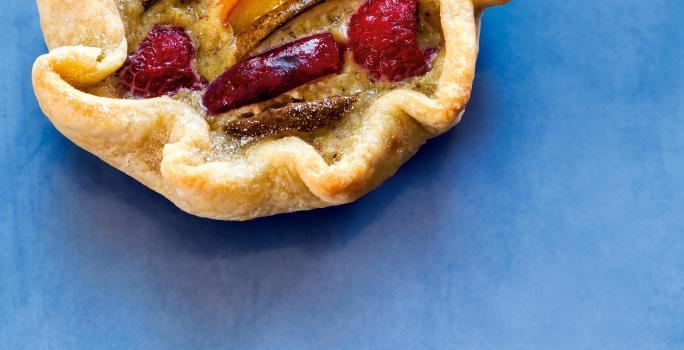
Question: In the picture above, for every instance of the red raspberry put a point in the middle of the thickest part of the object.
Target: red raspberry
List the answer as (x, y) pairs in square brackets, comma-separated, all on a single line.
[(382, 37), (274, 72), (162, 65)]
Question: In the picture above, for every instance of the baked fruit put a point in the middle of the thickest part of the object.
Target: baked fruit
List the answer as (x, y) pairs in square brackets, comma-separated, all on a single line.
[(274, 72), (383, 37), (238, 109), (162, 65)]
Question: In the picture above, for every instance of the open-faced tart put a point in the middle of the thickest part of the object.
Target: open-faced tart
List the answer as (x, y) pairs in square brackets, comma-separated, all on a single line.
[(236, 109)]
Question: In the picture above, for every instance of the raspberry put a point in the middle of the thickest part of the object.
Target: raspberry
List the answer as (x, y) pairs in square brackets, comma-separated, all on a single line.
[(162, 65), (274, 72), (382, 38)]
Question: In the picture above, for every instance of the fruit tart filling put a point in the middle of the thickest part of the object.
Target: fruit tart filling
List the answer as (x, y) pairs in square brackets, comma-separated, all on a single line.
[(264, 69)]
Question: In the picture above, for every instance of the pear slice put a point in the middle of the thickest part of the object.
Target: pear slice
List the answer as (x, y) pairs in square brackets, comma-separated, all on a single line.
[(268, 23), (302, 117)]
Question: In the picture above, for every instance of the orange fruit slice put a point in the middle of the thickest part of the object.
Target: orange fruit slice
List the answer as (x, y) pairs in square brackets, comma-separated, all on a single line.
[(223, 8), (242, 13)]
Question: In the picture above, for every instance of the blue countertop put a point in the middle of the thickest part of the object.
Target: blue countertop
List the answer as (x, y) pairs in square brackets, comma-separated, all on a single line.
[(551, 218)]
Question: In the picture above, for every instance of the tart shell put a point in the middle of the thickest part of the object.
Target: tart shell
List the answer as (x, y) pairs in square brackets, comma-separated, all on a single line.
[(165, 144)]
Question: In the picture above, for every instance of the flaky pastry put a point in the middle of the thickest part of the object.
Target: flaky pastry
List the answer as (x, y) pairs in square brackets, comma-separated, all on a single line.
[(328, 140)]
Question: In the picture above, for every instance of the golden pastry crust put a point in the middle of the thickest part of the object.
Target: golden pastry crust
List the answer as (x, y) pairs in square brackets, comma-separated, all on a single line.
[(166, 144)]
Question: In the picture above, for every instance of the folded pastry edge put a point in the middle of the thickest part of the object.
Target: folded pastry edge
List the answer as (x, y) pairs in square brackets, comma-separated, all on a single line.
[(165, 144)]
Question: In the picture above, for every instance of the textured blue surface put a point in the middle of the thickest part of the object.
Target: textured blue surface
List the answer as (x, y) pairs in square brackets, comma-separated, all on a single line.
[(551, 218)]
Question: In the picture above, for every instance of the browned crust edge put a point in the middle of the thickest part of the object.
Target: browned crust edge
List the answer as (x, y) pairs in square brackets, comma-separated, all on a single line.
[(166, 145)]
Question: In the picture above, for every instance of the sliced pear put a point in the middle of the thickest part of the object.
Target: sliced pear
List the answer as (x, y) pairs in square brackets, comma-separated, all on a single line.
[(263, 26), (301, 117)]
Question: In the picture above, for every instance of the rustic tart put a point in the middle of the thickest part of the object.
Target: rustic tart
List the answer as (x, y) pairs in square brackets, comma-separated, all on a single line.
[(237, 109)]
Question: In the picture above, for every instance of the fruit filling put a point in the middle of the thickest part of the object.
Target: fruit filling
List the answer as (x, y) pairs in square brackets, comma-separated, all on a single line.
[(162, 65), (272, 67), (263, 26), (301, 116), (383, 39), (274, 72), (242, 14)]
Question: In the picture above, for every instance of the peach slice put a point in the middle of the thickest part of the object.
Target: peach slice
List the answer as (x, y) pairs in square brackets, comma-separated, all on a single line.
[(242, 13), (253, 21), (222, 8)]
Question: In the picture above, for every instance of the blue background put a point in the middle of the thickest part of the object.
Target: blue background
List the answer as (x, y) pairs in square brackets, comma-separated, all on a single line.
[(551, 218)]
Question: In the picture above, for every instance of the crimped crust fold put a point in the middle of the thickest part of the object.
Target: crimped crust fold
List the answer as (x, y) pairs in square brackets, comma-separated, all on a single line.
[(165, 144)]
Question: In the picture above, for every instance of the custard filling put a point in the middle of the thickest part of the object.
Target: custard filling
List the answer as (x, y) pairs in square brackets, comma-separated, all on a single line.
[(216, 35)]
